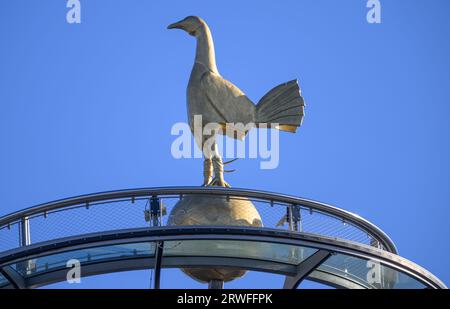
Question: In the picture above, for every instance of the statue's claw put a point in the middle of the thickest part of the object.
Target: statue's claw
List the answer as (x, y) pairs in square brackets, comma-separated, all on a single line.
[(231, 161), (217, 182), (215, 165)]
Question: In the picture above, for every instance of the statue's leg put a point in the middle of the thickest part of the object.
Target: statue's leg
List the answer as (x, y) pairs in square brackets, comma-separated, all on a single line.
[(213, 162), (218, 169), (207, 163), (207, 172)]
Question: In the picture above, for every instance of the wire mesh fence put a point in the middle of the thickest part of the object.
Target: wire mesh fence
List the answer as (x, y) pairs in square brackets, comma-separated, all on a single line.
[(138, 212), (9, 236)]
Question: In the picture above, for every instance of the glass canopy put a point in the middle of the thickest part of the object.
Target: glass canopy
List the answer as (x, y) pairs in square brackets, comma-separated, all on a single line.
[(369, 273), (338, 270), (266, 251), (46, 263)]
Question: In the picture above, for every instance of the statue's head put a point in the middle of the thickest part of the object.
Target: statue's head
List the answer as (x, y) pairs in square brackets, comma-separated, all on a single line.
[(191, 24)]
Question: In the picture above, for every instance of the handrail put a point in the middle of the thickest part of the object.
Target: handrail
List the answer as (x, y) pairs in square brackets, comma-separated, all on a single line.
[(180, 191)]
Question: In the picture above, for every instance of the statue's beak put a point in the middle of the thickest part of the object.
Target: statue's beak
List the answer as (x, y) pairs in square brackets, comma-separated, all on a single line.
[(177, 25)]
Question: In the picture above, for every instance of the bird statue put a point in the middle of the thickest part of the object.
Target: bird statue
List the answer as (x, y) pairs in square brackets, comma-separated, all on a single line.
[(220, 102)]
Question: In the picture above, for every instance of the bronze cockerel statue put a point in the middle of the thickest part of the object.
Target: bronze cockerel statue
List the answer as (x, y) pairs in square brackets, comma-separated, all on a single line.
[(220, 102)]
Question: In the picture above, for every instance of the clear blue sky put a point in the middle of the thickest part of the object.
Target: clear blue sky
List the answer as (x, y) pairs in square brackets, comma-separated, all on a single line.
[(89, 107)]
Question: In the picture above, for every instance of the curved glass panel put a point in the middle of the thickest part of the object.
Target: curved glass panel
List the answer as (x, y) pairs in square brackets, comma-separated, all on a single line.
[(368, 273), (274, 252), (95, 254)]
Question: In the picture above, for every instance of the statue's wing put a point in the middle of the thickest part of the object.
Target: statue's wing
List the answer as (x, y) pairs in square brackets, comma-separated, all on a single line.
[(227, 101)]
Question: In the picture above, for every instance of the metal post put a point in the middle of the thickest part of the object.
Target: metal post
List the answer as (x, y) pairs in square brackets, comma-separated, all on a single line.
[(25, 236), (289, 218), (158, 260), (296, 217), (155, 210), (25, 240), (215, 285)]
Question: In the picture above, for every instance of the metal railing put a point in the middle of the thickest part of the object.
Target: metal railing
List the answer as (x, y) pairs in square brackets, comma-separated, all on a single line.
[(124, 209)]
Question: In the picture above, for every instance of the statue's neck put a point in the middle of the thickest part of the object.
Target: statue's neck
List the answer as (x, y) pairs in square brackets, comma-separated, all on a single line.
[(205, 49)]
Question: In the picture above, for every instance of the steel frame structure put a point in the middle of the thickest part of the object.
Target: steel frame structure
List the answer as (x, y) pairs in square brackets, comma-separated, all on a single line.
[(326, 246)]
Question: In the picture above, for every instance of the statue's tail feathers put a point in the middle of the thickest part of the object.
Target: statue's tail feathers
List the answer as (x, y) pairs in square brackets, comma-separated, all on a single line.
[(282, 108)]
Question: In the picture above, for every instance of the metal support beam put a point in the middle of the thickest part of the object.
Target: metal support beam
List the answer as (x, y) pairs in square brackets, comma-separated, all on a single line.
[(305, 268), (13, 277), (158, 259)]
